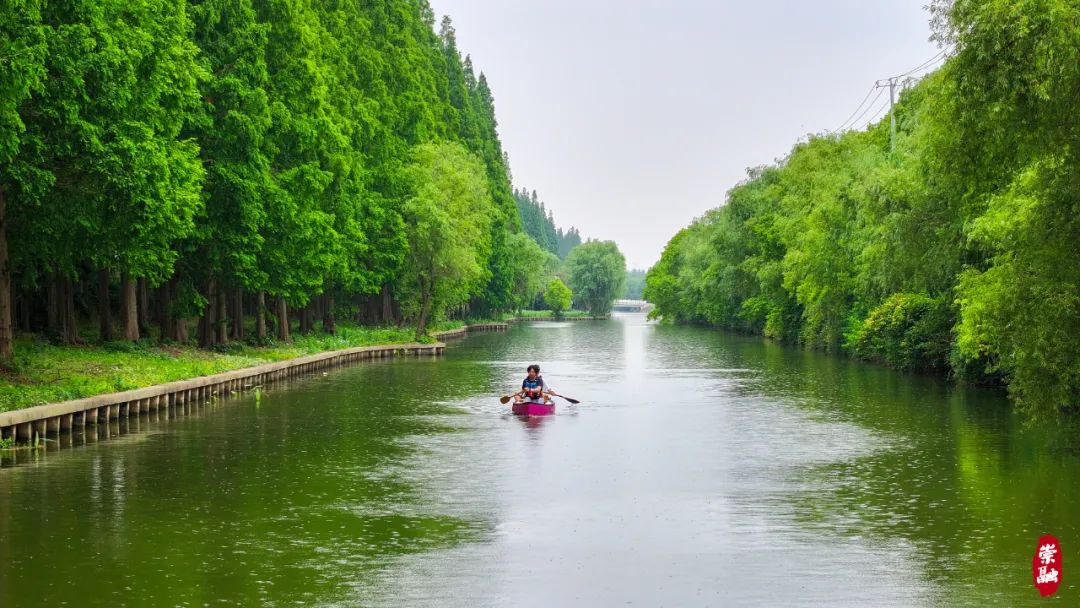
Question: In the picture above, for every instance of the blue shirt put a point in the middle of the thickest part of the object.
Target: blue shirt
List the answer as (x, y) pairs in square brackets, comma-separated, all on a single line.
[(533, 385)]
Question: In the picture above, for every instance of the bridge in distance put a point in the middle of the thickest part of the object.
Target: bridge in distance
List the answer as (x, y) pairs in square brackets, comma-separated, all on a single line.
[(631, 306)]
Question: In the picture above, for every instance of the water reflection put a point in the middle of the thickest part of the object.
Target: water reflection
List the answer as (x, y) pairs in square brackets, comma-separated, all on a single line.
[(532, 425), (699, 469)]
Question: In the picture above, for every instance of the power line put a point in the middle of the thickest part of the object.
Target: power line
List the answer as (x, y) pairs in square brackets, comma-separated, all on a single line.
[(880, 111), (924, 64), (880, 92), (902, 81), (857, 108)]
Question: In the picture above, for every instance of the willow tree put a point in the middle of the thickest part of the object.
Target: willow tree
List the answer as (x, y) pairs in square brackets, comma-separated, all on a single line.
[(557, 297), (446, 221), (597, 274)]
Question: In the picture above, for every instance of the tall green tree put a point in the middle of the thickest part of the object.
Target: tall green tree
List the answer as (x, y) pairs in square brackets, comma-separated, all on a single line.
[(447, 220), (22, 53), (558, 297), (303, 247), (597, 272), (233, 133), (532, 268), (635, 284), (123, 83), (536, 220)]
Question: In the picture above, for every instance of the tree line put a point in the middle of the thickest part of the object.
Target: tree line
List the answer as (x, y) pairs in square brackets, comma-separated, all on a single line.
[(589, 276), (167, 161), (539, 224), (950, 246)]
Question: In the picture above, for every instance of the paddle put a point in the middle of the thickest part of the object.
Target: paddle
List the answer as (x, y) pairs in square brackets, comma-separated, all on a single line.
[(574, 401), (505, 399)]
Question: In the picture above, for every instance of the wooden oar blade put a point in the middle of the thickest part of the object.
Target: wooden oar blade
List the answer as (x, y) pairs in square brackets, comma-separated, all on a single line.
[(505, 399), (574, 401)]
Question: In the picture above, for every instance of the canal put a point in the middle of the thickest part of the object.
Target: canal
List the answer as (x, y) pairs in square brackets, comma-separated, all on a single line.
[(700, 469)]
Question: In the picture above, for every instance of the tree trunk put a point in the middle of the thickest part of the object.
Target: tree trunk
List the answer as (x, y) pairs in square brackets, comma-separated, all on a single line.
[(260, 317), (206, 321), (328, 324), (305, 319), (282, 320), (238, 314), (222, 324), (104, 310), (425, 309), (165, 320), (6, 332), (181, 330), (387, 305), (71, 327), (52, 305), (144, 307), (24, 312), (130, 307)]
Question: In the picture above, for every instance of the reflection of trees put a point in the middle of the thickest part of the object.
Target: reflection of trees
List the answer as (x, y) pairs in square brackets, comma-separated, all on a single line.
[(298, 499), (957, 476)]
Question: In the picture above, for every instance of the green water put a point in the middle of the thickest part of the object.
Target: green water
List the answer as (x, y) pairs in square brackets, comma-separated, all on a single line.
[(699, 470)]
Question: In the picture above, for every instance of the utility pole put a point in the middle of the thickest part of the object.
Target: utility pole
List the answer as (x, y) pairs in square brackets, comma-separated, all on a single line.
[(893, 83)]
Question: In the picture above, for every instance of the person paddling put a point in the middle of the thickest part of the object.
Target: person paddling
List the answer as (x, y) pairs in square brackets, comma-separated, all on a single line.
[(535, 390), (533, 387)]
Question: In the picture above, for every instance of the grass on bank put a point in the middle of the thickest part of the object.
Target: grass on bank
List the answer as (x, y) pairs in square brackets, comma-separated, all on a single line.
[(46, 373)]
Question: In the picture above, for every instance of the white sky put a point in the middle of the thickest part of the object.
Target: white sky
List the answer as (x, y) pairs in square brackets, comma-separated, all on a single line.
[(630, 118)]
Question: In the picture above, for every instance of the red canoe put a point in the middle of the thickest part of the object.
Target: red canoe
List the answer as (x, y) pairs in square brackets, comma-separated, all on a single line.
[(533, 409)]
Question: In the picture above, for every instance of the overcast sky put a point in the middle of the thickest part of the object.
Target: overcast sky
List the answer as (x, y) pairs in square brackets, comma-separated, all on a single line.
[(631, 118)]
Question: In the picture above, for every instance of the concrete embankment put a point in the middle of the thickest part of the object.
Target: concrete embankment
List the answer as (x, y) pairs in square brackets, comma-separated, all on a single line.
[(184, 396)]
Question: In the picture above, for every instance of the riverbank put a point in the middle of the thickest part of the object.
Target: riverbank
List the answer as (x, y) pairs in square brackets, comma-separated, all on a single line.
[(44, 373)]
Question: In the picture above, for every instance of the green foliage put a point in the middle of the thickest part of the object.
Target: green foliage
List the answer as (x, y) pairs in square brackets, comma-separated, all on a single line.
[(447, 229), (597, 272), (22, 51), (907, 331), (635, 285), (1021, 315), (226, 147), (532, 267), (233, 132), (558, 297), (220, 148), (539, 224), (951, 247)]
